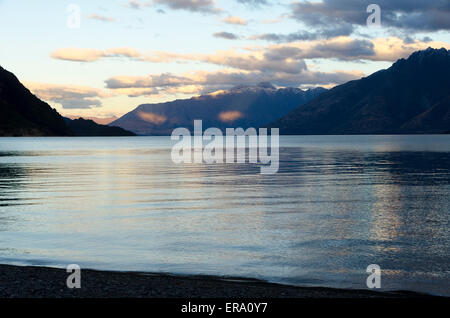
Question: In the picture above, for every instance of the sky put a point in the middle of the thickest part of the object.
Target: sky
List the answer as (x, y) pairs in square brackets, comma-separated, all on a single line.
[(104, 58)]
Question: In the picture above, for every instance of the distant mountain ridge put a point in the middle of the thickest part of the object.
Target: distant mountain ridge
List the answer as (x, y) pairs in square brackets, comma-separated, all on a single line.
[(23, 114), (242, 106), (411, 97), (98, 120), (87, 127)]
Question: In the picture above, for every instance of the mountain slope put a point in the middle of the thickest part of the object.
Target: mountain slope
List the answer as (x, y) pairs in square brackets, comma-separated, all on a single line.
[(243, 106), (434, 120), (87, 127), (23, 114), (412, 96)]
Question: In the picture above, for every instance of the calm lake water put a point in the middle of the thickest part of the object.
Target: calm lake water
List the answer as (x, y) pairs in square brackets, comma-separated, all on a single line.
[(337, 205)]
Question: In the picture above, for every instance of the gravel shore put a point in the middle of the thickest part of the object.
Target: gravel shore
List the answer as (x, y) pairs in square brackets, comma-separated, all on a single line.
[(42, 282)]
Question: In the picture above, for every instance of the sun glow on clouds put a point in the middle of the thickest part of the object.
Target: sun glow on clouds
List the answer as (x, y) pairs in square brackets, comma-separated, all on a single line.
[(279, 57), (91, 55), (235, 20), (392, 48), (221, 44), (230, 116), (282, 64), (69, 96), (152, 118)]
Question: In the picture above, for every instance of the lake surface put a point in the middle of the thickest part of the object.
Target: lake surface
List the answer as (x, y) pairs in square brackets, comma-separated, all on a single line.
[(337, 205)]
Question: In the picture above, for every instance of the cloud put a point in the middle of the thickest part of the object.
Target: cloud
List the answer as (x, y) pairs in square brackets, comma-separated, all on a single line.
[(244, 61), (254, 3), (338, 30), (348, 49), (235, 20), (77, 54), (255, 61), (392, 49), (135, 4), (411, 15), (165, 79), (68, 96), (276, 58), (100, 18), (226, 35), (204, 6), (281, 64), (202, 81), (91, 55), (342, 48)]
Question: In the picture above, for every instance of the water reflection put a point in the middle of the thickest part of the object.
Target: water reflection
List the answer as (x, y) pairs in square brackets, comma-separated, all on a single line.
[(337, 205)]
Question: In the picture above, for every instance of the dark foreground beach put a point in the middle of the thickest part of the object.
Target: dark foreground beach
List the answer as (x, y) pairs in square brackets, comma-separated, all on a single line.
[(42, 282)]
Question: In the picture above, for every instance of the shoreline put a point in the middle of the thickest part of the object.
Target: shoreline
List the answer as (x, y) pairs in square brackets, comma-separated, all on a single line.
[(46, 282)]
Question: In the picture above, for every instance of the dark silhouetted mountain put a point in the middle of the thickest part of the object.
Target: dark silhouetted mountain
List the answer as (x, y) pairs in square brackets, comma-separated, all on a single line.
[(412, 96), (87, 127), (23, 114), (98, 120), (242, 106), (436, 119)]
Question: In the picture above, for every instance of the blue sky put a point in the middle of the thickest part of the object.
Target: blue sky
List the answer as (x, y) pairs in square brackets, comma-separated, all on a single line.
[(126, 53)]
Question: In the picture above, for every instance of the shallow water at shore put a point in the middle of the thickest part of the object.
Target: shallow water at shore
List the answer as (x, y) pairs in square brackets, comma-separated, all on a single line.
[(337, 204)]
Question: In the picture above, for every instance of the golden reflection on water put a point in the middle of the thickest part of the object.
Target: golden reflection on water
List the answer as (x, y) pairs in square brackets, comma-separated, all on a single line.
[(386, 222)]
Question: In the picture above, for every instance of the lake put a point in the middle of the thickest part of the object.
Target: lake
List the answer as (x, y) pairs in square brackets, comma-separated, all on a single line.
[(337, 205)]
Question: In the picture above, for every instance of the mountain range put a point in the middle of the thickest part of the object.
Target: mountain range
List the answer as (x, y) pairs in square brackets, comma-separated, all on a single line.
[(23, 114), (411, 97), (242, 106)]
